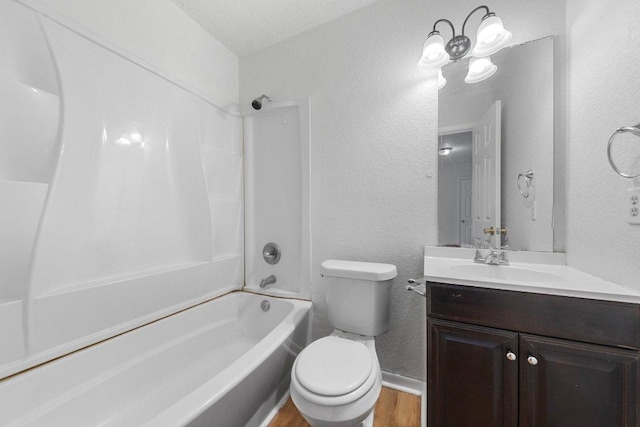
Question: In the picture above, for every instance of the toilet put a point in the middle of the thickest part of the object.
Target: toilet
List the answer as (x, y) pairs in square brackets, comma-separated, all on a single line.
[(336, 380)]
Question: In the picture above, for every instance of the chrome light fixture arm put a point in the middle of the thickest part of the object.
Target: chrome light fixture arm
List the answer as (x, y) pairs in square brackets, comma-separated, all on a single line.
[(435, 30), (459, 45), (486, 15)]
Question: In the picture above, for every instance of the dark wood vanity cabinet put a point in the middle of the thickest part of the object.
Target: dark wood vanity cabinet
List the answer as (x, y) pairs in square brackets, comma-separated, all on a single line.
[(577, 384), (471, 382), (495, 360)]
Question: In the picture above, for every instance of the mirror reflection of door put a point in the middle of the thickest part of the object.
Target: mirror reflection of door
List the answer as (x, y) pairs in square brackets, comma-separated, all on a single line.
[(486, 177), (455, 219), (466, 217), (527, 86)]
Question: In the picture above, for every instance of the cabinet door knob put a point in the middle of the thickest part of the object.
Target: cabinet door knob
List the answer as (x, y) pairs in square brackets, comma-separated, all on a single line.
[(532, 361), (511, 356)]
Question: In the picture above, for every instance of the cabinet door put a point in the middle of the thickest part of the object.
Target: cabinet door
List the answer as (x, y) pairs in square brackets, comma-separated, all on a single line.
[(563, 383), (471, 380)]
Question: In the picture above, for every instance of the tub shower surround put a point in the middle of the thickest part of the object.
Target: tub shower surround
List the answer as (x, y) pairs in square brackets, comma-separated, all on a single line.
[(121, 192), (277, 198)]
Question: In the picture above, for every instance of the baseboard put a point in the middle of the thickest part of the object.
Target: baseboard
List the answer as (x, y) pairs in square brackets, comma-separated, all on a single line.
[(401, 383), (423, 415), (411, 386), (274, 411)]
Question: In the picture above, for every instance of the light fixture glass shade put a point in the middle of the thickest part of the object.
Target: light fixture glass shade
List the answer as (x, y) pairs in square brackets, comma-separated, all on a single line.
[(433, 53), (441, 80), (445, 150), (491, 37), (480, 69)]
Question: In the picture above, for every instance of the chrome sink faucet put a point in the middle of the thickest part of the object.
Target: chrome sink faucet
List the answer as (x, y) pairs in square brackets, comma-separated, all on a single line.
[(495, 256), (479, 258)]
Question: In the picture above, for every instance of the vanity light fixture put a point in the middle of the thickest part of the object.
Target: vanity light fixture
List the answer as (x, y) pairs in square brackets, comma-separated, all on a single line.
[(444, 147), (491, 37), (445, 151)]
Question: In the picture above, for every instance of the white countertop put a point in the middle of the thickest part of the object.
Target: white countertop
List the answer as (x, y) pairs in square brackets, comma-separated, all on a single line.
[(536, 272)]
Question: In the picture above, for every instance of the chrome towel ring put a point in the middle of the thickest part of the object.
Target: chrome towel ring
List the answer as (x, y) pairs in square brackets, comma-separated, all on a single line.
[(528, 178), (635, 130)]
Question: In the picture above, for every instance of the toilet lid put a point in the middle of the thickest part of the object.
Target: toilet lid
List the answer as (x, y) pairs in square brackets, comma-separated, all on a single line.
[(333, 366)]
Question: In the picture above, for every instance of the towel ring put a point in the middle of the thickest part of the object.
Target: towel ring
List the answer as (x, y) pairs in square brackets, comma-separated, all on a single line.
[(635, 130), (528, 178)]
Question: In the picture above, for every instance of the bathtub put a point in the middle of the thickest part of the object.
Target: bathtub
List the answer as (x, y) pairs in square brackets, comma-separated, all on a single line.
[(222, 363)]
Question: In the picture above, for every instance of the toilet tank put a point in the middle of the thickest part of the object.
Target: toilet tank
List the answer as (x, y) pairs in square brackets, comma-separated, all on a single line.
[(358, 295)]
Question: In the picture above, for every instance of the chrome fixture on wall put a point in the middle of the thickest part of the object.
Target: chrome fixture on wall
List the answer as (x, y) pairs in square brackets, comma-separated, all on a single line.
[(491, 37), (527, 178), (257, 103), (271, 253), (418, 286), (267, 281), (633, 130)]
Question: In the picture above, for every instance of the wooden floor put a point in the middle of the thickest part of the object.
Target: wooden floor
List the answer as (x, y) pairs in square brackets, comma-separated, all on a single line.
[(393, 409)]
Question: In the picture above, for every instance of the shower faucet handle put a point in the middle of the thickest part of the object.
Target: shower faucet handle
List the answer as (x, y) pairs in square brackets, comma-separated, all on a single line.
[(271, 253)]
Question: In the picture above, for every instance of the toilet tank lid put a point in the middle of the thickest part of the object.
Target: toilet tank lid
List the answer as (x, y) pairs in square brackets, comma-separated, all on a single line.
[(358, 270)]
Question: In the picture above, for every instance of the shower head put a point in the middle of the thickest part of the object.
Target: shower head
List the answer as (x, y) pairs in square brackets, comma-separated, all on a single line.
[(257, 103)]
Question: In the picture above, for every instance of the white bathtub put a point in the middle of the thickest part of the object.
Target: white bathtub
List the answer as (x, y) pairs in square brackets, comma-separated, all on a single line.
[(223, 363)]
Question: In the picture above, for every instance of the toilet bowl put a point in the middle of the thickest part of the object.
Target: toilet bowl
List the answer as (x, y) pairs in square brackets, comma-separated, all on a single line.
[(336, 380)]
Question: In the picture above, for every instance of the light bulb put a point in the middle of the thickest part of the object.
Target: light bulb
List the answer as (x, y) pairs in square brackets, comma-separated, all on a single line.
[(491, 37), (445, 151), (433, 53), (136, 137), (480, 69)]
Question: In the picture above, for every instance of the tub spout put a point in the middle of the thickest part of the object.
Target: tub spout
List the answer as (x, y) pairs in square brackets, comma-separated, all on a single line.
[(268, 281)]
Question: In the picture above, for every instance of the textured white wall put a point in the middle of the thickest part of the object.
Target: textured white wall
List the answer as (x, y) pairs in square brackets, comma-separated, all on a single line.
[(158, 34), (373, 138), (604, 94)]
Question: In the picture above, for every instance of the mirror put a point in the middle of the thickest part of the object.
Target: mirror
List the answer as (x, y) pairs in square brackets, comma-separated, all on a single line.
[(496, 152)]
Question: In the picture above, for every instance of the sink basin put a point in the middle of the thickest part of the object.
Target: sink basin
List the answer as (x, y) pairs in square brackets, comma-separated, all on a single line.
[(507, 273)]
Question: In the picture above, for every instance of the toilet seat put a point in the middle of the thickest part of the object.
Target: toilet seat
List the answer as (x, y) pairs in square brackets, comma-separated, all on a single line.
[(334, 371), (334, 366)]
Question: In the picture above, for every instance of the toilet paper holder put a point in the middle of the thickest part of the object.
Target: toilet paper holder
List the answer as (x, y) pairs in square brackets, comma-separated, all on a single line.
[(418, 286)]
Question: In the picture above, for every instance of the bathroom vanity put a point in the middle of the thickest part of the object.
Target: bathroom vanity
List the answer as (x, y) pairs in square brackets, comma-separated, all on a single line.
[(544, 352)]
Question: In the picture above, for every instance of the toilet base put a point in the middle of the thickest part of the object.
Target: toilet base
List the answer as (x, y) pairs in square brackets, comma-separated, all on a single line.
[(356, 414), (368, 422)]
